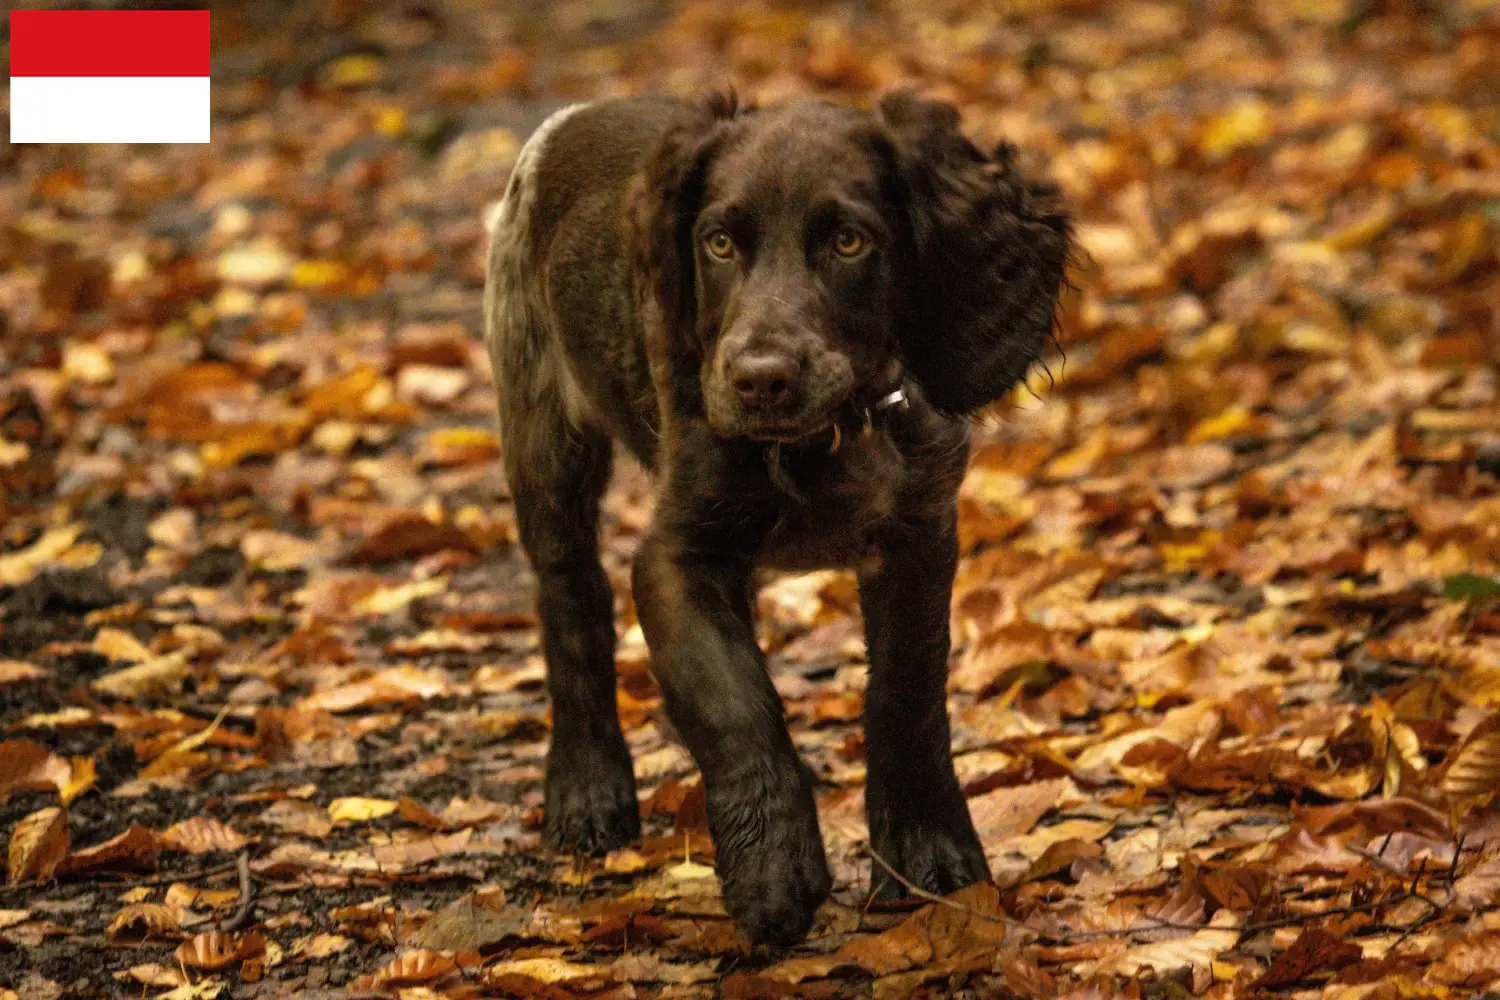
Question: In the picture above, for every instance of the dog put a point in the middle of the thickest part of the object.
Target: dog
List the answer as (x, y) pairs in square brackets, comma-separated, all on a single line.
[(787, 314)]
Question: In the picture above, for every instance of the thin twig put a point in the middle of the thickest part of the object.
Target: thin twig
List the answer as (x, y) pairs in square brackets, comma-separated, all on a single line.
[(125, 882), (933, 897), (1152, 923), (247, 895)]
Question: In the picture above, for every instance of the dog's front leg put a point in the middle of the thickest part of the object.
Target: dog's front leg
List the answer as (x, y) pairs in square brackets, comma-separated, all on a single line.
[(919, 820), (696, 617)]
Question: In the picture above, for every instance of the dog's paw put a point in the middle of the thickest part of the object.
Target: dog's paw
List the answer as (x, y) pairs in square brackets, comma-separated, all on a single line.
[(590, 808), (771, 864), (940, 858), (774, 891)]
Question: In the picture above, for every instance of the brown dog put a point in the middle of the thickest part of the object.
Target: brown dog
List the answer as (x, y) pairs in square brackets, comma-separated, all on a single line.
[(785, 313)]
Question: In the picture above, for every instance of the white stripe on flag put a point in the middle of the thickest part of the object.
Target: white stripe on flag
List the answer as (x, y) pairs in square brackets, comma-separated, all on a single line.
[(109, 109)]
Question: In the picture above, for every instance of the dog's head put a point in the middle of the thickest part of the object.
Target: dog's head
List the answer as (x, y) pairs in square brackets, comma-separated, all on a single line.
[(800, 258)]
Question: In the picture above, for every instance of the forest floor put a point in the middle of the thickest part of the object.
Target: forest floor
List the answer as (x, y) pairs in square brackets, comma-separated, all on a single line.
[(1226, 679)]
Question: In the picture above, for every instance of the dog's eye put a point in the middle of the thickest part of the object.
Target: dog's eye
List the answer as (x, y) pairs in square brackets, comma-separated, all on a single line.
[(719, 244), (849, 242)]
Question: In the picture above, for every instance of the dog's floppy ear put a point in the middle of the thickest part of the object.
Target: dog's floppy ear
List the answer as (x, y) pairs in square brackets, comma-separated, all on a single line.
[(661, 210), (991, 250)]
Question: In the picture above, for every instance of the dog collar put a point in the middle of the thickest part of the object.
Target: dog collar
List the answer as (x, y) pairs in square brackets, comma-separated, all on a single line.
[(895, 398)]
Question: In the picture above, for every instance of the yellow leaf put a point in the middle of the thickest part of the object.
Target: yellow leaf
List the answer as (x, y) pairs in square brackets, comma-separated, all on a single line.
[(548, 970), (354, 809), (80, 780), (319, 273), (23, 565), (87, 363), (356, 70), (1246, 124), (1227, 424), (391, 121)]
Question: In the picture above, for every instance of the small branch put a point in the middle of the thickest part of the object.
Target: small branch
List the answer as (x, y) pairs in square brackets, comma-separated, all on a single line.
[(124, 880), (247, 895), (1145, 923), (932, 897)]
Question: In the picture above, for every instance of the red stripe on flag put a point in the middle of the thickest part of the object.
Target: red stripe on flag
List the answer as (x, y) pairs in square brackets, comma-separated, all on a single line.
[(109, 43)]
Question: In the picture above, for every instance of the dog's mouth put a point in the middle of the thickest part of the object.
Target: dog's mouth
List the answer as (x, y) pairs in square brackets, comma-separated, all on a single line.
[(788, 433)]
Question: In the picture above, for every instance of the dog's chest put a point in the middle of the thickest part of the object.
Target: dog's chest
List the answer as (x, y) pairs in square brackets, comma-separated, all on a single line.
[(831, 506)]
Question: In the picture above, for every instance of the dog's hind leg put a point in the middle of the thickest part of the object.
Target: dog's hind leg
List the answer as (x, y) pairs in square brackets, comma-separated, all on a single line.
[(557, 474), (558, 466)]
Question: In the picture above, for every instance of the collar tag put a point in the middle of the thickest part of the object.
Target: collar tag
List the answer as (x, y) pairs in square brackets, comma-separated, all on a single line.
[(896, 397)]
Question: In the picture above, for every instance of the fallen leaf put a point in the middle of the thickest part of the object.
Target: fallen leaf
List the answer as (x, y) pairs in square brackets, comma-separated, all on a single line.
[(160, 675), (25, 765), (413, 969), (354, 809), (200, 835), (38, 844), (1164, 957), (215, 949), (23, 565), (139, 921), (117, 644), (134, 850), (12, 671), (1315, 950)]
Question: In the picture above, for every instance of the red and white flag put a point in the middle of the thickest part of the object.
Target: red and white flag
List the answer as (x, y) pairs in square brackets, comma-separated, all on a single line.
[(109, 76)]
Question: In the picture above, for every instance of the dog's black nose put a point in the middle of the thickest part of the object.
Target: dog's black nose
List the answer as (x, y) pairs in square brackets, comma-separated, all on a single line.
[(763, 381)]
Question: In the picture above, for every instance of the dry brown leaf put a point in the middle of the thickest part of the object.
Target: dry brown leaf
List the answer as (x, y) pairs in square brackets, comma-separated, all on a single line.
[(202, 834), (38, 845), (1199, 950), (1012, 812), (142, 920), (1475, 766), (1478, 888), (133, 850), (25, 765), (1470, 961), (1315, 950), (301, 818)]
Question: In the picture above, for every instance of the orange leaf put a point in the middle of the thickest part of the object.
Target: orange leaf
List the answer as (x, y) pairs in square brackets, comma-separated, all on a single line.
[(133, 850), (215, 949), (413, 969)]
